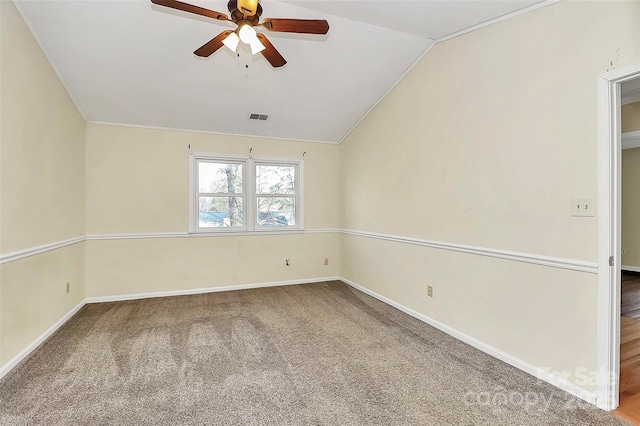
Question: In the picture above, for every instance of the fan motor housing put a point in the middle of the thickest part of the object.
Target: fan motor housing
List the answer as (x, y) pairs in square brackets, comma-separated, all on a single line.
[(237, 15)]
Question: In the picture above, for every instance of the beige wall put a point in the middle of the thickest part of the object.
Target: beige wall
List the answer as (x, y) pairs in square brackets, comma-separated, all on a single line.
[(34, 295), (484, 143), (631, 190), (631, 208), (42, 189), (130, 266), (138, 182), (631, 117)]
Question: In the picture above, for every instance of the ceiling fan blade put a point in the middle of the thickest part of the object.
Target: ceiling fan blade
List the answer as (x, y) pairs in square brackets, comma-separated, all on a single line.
[(302, 26), (212, 45), (270, 53), (186, 7)]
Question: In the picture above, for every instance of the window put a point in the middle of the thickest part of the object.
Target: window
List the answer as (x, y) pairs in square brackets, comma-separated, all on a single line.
[(221, 195), (240, 194), (276, 194)]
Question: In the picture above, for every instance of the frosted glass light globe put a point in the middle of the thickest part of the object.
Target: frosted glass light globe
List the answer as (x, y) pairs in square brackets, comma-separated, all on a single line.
[(247, 34)]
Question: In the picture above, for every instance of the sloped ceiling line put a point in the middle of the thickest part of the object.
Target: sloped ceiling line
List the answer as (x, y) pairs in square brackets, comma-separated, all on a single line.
[(131, 63)]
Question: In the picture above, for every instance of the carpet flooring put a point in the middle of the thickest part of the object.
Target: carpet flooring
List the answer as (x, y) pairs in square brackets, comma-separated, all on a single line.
[(314, 354)]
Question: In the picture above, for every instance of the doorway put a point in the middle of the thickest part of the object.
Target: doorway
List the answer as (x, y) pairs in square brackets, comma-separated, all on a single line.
[(609, 230), (629, 384)]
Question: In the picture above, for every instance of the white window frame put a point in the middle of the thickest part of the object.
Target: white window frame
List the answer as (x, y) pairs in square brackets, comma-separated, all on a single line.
[(250, 200)]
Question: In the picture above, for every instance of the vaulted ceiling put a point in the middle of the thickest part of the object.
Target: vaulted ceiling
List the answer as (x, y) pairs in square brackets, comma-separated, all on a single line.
[(132, 62)]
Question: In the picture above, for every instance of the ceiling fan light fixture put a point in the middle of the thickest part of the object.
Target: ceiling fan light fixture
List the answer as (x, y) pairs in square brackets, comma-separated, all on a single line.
[(246, 14), (232, 41), (248, 36)]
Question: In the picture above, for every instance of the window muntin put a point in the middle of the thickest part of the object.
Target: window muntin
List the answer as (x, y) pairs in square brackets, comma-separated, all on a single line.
[(236, 194)]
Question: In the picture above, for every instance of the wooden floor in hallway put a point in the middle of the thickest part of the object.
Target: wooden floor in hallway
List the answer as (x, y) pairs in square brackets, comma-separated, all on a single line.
[(629, 408), (630, 303)]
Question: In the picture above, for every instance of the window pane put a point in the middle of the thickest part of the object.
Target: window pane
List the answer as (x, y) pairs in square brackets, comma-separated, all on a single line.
[(276, 211), (220, 178), (275, 179), (216, 212)]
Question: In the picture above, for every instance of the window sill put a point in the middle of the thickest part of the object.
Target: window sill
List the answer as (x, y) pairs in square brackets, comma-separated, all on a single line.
[(246, 233)]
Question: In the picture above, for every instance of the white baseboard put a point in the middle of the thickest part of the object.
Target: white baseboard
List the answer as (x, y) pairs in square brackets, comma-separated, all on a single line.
[(630, 268), (186, 292), (37, 342), (539, 373), (557, 381)]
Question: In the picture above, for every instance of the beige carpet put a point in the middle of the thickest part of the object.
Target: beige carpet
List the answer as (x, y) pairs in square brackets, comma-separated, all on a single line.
[(315, 354)]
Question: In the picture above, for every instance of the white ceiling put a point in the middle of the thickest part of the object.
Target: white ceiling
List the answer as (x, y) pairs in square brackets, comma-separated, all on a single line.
[(132, 62)]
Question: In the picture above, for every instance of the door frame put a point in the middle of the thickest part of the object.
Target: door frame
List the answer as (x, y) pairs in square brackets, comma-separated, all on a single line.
[(609, 225)]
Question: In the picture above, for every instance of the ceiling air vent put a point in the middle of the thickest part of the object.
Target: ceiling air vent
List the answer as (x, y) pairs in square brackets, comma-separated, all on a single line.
[(254, 116)]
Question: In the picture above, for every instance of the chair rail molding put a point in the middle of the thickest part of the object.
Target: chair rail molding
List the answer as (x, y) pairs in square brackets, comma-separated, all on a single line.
[(33, 251), (553, 262), (631, 140), (549, 261)]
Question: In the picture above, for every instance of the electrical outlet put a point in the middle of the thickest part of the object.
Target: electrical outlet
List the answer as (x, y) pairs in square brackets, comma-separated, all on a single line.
[(430, 291), (326, 261), (286, 262), (624, 251), (583, 207), (67, 287)]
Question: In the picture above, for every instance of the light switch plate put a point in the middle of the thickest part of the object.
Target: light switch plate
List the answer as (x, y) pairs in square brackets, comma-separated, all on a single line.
[(583, 207)]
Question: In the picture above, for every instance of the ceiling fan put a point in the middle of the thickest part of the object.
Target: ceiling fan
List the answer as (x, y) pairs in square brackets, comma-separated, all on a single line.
[(246, 15)]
